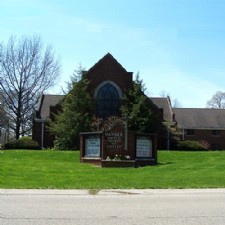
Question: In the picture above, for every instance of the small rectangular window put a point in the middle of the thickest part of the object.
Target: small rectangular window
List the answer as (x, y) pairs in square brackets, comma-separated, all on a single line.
[(216, 132), (215, 146), (190, 132)]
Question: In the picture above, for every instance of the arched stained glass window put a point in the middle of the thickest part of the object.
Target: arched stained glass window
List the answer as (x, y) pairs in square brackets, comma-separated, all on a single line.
[(108, 101)]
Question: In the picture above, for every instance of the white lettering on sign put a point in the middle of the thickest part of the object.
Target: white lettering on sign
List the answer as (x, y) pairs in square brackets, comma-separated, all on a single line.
[(92, 146), (143, 147), (113, 134), (114, 140)]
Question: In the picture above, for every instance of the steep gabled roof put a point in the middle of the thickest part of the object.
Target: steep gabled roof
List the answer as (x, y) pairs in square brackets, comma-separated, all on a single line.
[(200, 118), (107, 58), (46, 102), (164, 103)]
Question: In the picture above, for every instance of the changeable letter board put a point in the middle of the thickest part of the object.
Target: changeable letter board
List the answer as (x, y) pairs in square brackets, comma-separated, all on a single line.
[(92, 146), (143, 147)]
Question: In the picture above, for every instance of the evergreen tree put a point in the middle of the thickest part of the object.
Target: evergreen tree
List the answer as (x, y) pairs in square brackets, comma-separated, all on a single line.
[(75, 116), (141, 113), (75, 77)]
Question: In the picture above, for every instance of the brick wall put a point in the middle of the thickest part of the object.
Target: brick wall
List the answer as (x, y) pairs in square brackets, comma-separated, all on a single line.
[(109, 69), (37, 134), (206, 137)]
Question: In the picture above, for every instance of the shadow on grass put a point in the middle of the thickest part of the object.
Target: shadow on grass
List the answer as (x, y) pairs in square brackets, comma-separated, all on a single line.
[(164, 163)]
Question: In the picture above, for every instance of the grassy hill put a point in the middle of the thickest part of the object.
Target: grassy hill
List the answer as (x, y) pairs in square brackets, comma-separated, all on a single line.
[(62, 170)]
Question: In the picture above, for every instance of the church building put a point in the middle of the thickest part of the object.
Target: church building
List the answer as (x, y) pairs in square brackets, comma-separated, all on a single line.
[(108, 82)]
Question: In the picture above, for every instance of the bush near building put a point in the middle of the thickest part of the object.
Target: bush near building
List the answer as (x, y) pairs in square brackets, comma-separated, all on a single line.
[(22, 143), (190, 146)]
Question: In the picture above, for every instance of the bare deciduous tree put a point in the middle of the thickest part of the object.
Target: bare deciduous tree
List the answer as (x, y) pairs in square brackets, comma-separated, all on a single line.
[(163, 94), (217, 101), (27, 70), (176, 103)]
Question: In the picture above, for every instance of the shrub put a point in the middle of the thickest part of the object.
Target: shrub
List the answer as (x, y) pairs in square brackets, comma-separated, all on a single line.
[(190, 146), (22, 143)]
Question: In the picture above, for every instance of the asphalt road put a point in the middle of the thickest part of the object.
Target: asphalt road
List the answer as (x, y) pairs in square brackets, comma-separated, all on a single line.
[(112, 207)]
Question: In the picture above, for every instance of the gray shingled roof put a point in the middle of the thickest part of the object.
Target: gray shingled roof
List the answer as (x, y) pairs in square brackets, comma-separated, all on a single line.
[(200, 118), (187, 118), (164, 103), (46, 102)]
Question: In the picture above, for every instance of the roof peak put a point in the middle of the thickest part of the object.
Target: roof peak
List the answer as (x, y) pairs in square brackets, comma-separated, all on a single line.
[(105, 57)]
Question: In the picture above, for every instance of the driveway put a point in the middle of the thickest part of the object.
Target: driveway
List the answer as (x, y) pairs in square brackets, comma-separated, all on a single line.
[(112, 207)]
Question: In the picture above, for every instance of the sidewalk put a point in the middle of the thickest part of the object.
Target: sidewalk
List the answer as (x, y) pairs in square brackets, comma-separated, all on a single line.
[(109, 191)]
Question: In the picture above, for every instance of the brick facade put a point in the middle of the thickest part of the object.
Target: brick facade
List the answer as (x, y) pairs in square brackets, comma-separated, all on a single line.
[(207, 137), (206, 126), (108, 69)]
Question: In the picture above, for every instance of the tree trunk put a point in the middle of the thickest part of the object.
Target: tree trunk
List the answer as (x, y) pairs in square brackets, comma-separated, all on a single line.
[(17, 128)]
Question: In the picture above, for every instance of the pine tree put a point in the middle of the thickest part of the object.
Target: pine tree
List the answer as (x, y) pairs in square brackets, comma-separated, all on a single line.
[(76, 116), (141, 113)]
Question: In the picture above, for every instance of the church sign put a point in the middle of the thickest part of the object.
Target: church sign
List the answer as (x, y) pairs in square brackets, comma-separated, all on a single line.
[(107, 148)]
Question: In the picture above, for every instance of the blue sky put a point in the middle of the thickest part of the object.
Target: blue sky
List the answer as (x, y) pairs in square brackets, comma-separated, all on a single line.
[(178, 46)]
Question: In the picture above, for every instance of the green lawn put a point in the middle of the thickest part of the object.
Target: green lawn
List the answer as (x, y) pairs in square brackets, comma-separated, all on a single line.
[(62, 170)]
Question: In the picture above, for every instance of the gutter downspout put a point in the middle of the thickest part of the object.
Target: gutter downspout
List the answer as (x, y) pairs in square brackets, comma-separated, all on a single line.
[(126, 133)]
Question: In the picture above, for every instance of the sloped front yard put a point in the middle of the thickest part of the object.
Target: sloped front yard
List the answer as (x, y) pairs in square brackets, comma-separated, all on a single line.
[(62, 170)]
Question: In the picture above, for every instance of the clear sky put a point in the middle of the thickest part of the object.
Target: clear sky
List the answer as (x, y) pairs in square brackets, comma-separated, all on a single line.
[(178, 46)]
